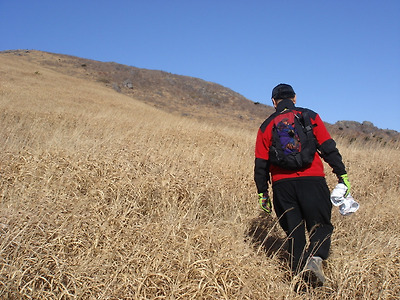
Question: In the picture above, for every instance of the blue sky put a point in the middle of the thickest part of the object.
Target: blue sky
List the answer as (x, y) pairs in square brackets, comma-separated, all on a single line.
[(342, 57)]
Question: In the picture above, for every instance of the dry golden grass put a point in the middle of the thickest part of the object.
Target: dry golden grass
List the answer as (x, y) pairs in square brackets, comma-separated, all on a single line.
[(103, 197)]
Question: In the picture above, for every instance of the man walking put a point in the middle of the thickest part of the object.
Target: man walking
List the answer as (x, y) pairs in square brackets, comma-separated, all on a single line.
[(285, 154)]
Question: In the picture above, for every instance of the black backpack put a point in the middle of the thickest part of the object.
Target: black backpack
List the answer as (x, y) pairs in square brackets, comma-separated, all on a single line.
[(293, 143)]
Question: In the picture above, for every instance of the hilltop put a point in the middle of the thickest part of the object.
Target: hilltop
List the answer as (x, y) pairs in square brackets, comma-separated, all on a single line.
[(177, 94), (183, 95)]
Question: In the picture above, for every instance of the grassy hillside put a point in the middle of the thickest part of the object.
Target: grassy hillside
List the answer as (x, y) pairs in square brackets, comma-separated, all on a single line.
[(105, 197), (176, 94), (185, 96)]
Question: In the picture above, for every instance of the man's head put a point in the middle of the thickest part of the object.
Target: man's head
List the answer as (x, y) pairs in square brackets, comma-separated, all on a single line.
[(283, 91)]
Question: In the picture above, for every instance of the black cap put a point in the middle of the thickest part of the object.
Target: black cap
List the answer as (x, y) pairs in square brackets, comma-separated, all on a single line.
[(283, 91)]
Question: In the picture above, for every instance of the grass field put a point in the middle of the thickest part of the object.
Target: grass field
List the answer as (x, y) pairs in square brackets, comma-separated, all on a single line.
[(104, 197)]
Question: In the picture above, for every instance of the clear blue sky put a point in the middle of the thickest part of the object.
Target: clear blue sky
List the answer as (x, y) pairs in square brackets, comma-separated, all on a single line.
[(341, 56)]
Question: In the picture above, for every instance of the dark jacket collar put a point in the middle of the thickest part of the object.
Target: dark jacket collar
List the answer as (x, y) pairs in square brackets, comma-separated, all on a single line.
[(285, 103)]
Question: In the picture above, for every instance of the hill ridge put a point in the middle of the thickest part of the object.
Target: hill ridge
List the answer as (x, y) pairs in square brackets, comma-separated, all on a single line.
[(185, 95)]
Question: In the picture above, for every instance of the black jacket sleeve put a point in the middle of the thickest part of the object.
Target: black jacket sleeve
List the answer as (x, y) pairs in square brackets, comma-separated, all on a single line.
[(261, 175), (330, 154)]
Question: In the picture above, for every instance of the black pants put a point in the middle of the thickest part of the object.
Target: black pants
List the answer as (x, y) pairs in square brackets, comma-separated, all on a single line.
[(299, 204)]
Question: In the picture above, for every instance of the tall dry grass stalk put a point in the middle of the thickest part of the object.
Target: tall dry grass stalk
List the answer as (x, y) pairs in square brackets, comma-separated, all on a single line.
[(103, 197)]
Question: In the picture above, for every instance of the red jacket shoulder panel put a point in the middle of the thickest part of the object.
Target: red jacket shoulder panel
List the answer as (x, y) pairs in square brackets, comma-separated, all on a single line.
[(263, 142), (319, 130)]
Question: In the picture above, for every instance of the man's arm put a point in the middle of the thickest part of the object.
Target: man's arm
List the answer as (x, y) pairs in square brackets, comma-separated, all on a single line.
[(330, 154), (261, 164), (327, 147), (261, 175)]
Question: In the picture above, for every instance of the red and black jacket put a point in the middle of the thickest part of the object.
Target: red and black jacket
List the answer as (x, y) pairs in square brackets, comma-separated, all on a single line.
[(325, 144)]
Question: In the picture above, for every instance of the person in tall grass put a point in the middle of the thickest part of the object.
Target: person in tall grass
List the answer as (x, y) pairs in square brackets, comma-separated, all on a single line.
[(301, 197)]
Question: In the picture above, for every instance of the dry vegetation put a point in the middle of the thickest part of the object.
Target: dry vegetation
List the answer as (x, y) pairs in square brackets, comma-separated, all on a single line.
[(104, 197)]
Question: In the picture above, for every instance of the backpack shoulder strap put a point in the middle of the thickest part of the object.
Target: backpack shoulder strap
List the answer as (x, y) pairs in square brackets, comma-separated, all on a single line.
[(305, 121)]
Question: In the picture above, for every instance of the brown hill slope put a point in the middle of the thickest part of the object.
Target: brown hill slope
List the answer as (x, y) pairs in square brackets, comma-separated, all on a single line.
[(183, 95), (105, 197), (177, 94)]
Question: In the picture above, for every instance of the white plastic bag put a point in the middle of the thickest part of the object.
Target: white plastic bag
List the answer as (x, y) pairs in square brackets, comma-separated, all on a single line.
[(337, 195), (347, 205)]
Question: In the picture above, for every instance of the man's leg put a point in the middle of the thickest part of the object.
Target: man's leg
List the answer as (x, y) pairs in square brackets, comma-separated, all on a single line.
[(290, 218), (317, 208)]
